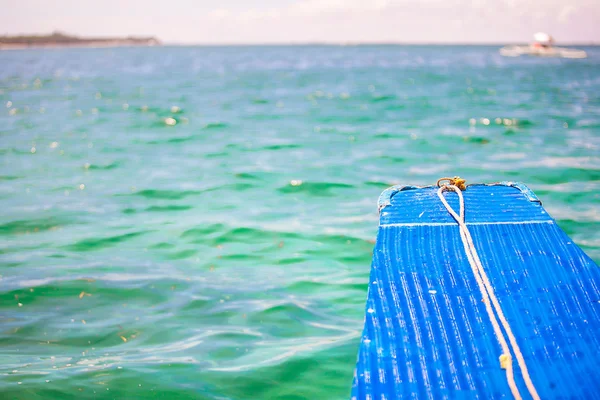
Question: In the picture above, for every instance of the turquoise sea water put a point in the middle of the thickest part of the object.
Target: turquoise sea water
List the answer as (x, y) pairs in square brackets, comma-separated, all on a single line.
[(197, 222)]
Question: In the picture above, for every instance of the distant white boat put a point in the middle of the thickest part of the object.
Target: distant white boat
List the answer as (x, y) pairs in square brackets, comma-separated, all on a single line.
[(542, 46)]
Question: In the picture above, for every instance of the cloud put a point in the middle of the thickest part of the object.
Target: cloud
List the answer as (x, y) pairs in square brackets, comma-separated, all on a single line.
[(541, 12), (309, 7), (294, 21), (306, 8), (219, 13), (565, 13)]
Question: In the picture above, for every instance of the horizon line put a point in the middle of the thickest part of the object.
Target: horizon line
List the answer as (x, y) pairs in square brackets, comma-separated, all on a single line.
[(369, 43), (300, 42)]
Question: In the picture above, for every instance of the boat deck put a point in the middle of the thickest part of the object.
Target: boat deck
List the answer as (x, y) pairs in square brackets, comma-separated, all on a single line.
[(427, 333)]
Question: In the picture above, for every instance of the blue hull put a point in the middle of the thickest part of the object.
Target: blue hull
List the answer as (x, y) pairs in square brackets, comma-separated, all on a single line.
[(427, 333)]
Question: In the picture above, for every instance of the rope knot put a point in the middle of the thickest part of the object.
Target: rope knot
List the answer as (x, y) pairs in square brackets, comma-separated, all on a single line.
[(456, 181)]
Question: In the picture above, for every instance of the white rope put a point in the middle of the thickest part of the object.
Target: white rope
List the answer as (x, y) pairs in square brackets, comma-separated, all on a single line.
[(487, 292)]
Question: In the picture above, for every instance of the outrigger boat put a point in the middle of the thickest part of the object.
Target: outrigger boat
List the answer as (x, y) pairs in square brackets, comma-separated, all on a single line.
[(476, 293), (542, 47)]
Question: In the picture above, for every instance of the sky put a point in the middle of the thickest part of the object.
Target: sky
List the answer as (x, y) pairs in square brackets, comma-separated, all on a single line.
[(309, 21)]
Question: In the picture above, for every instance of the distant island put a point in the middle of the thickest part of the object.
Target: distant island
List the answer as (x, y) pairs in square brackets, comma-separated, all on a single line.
[(58, 39)]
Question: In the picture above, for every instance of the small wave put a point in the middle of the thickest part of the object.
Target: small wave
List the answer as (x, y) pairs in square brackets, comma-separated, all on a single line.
[(180, 139), (578, 227), (218, 234), (61, 189), (384, 136), (147, 109), (101, 243), (264, 117), (166, 194), (476, 139), (314, 188), (174, 140), (580, 163), (241, 256), (16, 151), (30, 226), (246, 175), (169, 208), (107, 167), (253, 235), (269, 354), (523, 123), (215, 125), (182, 254), (382, 98), (281, 147), (564, 175), (329, 245), (217, 155), (197, 303), (290, 260), (202, 232), (163, 246), (311, 286), (346, 119), (395, 159), (236, 187), (56, 255), (395, 107), (378, 184), (588, 124)]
